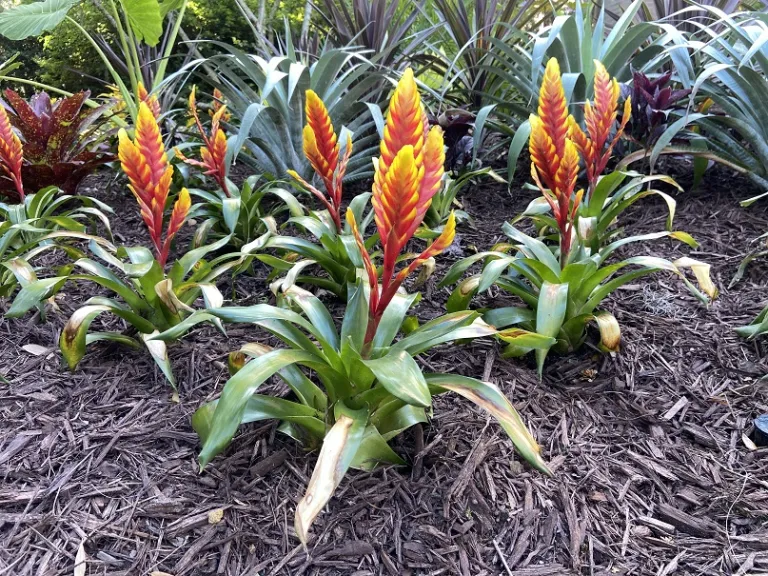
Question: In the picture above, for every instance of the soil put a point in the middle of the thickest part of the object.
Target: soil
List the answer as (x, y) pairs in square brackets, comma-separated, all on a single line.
[(652, 475)]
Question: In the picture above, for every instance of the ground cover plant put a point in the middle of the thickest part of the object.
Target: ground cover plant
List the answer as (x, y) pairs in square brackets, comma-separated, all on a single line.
[(327, 235)]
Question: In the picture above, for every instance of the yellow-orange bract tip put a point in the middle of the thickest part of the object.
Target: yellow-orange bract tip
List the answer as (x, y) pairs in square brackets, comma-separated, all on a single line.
[(185, 201), (310, 141), (449, 232), (145, 113), (293, 174), (553, 67), (312, 98)]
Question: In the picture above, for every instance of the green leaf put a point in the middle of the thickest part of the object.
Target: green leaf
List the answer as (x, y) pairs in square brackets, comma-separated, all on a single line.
[(20, 22), (159, 352), (401, 377), (237, 391), (33, 294), (550, 314), (392, 319), (72, 339), (145, 19), (355, 324), (374, 450), (488, 397)]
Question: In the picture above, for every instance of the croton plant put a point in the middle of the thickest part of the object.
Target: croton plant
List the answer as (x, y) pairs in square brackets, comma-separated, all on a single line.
[(63, 140), (357, 387)]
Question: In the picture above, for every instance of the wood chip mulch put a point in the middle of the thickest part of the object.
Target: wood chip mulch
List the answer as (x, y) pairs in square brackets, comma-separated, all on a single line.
[(652, 472)]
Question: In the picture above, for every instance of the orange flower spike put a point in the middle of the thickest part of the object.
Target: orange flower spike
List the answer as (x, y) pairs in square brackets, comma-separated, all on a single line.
[(553, 108), (606, 100), (178, 216), (566, 182), (151, 101), (145, 163), (405, 122), (11, 152), (599, 119), (395, 204), (218, 104), (543, 154), (373, 278), (214, 149), (323, 153)]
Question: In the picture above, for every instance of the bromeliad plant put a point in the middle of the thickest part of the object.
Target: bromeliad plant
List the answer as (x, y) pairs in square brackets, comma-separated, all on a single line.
[(245, 216), (336, 252), (372, 387), (26, 219), (149, 299), (63, 141), (562, 286)]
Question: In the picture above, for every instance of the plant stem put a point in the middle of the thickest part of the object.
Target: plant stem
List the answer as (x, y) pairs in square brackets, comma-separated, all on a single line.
[(160, 75), (127, 96), (124, 44)]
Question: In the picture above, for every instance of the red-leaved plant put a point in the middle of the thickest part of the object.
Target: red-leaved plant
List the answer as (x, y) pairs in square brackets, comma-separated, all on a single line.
[(63, 140)]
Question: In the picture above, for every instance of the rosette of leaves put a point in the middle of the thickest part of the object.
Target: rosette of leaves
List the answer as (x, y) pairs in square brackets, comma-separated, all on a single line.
[(63, 140), (355, 387), (563, 276)]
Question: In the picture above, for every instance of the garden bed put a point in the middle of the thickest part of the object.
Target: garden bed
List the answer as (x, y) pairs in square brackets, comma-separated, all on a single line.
[(651, 475)]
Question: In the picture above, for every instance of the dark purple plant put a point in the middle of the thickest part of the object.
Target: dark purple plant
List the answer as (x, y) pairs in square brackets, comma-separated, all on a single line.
[(63, 141), (652, 102)]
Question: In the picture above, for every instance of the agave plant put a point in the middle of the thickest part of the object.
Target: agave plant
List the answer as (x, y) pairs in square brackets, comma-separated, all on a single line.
[(562, 286), (372, 387), (63, 142), (733, 89), (148, 298), (264, 96)]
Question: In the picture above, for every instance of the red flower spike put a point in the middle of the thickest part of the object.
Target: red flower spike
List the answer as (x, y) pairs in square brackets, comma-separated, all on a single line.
[(11, 152), (599, 120), (145, 163), (149, 100), (555, 156), (321, 147), (214, 149)]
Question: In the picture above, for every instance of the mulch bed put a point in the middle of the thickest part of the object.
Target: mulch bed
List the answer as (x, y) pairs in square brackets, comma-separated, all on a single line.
[(652, 476)]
